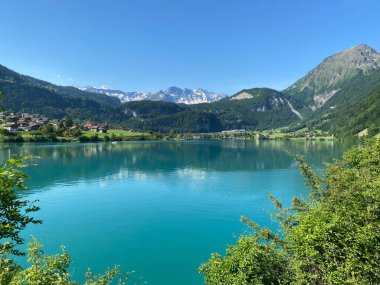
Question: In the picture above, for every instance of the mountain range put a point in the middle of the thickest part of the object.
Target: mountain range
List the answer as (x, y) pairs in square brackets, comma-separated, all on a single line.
[(171, 94), (340, 95)]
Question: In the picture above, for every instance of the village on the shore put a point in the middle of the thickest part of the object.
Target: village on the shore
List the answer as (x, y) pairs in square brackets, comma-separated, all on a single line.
[(36, 127), (15, 122)]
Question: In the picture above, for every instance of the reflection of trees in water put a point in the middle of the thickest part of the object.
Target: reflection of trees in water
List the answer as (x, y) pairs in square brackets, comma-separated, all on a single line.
[(68, 163)]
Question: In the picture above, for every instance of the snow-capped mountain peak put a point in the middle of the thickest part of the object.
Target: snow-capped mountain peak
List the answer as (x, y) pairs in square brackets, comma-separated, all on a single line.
[(171, 94)]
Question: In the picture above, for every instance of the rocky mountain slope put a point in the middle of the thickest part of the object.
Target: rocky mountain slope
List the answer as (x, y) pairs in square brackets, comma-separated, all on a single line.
[(333, 77), (354, 110)]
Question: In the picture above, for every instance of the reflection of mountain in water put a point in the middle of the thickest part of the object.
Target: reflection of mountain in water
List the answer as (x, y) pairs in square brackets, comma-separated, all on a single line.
[(70, 163)]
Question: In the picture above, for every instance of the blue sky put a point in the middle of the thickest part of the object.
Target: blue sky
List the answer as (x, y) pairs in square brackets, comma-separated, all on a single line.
[(147, 45)]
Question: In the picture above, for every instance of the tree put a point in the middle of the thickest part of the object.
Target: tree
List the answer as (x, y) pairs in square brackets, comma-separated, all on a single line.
[(54, 270), (333, 237), (5, 132), (14, 212), (47, 129), (76, 132), (254, 259), (68, 122)]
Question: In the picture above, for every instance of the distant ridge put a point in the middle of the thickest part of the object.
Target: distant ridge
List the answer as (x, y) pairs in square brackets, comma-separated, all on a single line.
[(340, 95), (171, 94)]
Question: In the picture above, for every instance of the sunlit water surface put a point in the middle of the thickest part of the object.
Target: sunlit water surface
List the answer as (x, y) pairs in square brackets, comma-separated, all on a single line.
[(159, 209)]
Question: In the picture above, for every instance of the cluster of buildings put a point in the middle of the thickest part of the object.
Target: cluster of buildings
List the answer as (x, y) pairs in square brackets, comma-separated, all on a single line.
[(96, 128), (307, 134), (14, 122)]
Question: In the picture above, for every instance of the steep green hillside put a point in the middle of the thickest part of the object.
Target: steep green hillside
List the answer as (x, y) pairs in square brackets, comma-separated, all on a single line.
[(10, 77), (353, 117), (262, 109), (163, 117), (26, 94), (182, 122), (257, 108), (333, 79), (150, 109), (340, 95), (357, 89), (254, 109)]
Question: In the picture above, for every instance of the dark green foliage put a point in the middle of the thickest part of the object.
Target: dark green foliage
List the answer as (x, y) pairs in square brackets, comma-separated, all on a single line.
[(303, 98), (183, 122), (165, 116), (26, 94), (266, 110), (46, 129), (14, 212), (352, 109), (333, 237), (337, 240), (45, 102), (9, 77), (54, 269), (357, 89), (73, 133), (151, 109), (249, 113), (254, 259), (354, 117), (67, 122)]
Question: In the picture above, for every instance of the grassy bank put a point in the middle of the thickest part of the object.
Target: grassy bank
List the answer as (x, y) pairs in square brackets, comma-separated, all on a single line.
[(111, 135)]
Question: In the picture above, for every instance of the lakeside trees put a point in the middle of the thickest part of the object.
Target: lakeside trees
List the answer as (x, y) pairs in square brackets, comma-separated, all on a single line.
[(333, 237)]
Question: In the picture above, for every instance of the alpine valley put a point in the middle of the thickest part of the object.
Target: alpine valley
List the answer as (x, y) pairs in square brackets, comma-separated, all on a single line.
[(340, 96)]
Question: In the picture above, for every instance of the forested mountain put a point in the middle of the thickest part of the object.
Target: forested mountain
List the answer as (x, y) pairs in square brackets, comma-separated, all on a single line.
[(358, 114), (252, 109), (262, 108), (257, 108), (166, 116), (9, 77), (331, 82), (340, 95), (26, 94)]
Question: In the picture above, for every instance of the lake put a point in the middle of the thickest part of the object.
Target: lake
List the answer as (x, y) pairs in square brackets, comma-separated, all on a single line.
[(159, 209)]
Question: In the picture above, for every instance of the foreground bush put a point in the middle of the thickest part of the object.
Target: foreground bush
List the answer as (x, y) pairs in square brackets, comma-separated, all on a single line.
[(333, 237)]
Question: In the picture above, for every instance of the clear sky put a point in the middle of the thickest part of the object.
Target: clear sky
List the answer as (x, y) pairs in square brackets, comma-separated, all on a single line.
[(147, 45)]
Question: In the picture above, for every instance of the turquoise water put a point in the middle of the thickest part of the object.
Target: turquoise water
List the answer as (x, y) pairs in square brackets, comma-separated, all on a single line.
[(159, 209)]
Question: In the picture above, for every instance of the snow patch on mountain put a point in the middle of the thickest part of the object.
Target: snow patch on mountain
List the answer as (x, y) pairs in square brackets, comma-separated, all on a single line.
[(171, 94)]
